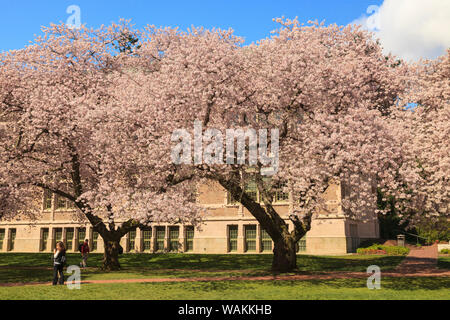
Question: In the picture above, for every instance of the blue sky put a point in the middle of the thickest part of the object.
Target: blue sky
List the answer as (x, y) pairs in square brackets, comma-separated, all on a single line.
[(20, 20)]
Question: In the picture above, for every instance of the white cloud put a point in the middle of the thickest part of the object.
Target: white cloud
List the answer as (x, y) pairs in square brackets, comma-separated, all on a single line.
[(410, 29)]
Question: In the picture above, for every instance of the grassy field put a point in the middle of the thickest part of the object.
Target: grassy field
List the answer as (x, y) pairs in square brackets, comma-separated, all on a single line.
[(20, 267), (26, 268), (391, 289)]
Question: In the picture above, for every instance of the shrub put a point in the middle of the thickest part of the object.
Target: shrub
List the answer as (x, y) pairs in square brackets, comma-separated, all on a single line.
[(381, 249), (445, 251)]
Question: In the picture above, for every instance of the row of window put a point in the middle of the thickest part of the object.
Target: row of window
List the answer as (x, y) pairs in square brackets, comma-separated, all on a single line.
[(252, 191), (61, 203), (158, 240), (11, 239), (250, 239), (68, 240)]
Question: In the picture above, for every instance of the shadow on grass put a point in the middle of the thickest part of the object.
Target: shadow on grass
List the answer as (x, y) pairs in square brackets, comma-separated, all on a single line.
[(208, 261), (37, 267), (407, 284), (444, 263)]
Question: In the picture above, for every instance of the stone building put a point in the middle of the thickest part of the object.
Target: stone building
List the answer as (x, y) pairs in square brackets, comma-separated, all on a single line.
[(227, 228)]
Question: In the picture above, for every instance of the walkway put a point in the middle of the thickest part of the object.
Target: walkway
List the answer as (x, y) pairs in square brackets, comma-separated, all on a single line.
[(420, 260)]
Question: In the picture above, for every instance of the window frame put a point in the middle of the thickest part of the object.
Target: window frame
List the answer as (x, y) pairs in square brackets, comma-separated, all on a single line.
[(189, 240), (232, 240), (250, 243)]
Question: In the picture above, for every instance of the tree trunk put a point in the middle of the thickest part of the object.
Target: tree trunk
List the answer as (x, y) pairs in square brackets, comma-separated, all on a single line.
[(111, 255), (284, 255)]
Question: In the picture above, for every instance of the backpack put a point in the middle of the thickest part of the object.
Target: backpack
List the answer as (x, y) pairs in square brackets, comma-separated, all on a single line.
[(80, 246)]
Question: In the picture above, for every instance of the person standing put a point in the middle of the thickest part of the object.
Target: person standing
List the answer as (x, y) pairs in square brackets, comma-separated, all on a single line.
[(59, 259), (84, 253)]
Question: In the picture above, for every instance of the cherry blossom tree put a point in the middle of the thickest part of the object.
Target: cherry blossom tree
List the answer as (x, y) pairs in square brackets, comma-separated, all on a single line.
[(98, 109), (328, 91), (425, 132), (61, 132)]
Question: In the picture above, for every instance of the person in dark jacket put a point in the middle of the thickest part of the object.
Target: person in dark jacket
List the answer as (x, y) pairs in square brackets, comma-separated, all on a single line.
[(59, 259), (84, 249)]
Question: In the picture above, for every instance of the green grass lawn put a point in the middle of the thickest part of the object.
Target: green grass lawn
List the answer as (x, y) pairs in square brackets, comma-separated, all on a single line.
[(391, 289), (25, 268), (15, 267)]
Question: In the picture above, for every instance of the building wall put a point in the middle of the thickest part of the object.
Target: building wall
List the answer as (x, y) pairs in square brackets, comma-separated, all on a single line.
[(331, 232)]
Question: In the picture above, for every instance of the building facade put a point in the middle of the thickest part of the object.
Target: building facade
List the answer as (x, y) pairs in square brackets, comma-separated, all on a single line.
[(227, 227)]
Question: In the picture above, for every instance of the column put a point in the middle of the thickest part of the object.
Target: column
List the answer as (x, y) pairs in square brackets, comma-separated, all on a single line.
[(139, 240), (153, 244), (64, 235), (240, 238), (181, 247), (51, 239), (89, 235), (258, 238), (76, 242), (166, 239)]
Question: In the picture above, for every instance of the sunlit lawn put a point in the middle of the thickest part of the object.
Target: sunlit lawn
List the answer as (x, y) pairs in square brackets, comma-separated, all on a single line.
[(36, 267), (391, 289), (26, 268)]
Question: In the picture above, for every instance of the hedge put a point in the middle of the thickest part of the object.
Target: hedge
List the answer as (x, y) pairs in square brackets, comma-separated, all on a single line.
[(381, 249)]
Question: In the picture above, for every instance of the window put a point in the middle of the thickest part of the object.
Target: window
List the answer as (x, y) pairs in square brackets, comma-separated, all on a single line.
[(250, 238), (2, 237), (147, 233), (189, 239), (251, 190), (281, 196), (266, 241), (301, 245), (94, 241), (69, 238), (232, 238), (132, 240), (63, 203), (60, 202), (160, 235), (12, 239), (44, 242), (58, 234), (47, 200), (231, 200), (174, 233), (81, 234)]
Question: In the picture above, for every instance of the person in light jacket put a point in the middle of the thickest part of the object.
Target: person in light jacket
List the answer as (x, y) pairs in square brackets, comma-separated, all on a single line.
[(59, 259)]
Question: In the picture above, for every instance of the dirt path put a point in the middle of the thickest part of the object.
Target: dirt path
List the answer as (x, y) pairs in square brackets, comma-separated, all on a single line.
[(420, 260)]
